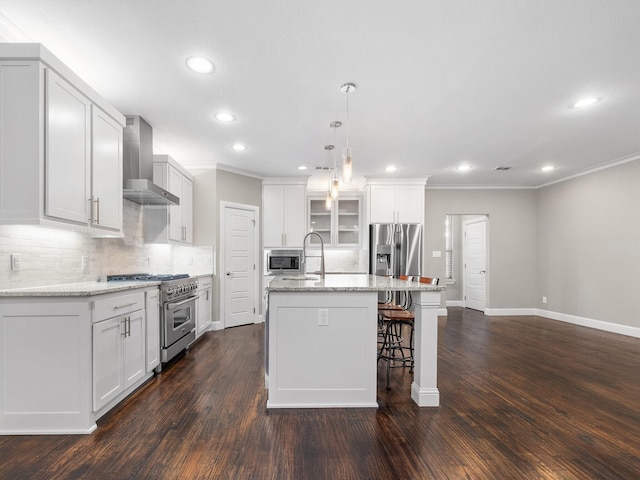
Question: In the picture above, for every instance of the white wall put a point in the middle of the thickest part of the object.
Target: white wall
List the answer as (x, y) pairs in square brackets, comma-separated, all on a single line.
[(588, 243), (52, 256)]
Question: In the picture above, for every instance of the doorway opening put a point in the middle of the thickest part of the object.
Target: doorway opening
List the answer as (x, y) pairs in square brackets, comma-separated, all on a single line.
[(467, 260)]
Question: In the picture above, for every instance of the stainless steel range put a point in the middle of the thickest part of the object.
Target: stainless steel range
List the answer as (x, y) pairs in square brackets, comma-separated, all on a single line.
[(177, 310)]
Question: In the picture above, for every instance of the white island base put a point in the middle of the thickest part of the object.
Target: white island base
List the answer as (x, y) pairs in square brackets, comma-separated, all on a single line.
[(322, 343)]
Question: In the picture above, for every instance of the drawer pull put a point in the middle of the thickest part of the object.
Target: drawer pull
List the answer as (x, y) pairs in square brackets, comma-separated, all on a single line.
[(118, 307)]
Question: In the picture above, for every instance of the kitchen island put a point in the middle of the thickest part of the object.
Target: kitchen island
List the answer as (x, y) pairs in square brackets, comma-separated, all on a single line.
[(321, 339)]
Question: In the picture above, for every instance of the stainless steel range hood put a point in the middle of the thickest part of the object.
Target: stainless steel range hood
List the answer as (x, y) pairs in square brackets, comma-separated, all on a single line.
[(138, 166)]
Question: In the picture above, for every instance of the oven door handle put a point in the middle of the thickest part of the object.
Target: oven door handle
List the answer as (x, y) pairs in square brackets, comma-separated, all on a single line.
[(186, 300)]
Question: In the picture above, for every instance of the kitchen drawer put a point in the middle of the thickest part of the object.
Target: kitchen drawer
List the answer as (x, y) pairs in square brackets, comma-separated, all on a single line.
[(113, 306)]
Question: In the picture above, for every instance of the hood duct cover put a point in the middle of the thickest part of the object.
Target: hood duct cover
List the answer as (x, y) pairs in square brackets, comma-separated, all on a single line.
[(138, 166)]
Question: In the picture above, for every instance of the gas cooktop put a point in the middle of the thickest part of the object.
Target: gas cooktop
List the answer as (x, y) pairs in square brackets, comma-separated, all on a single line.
[(133, 277)]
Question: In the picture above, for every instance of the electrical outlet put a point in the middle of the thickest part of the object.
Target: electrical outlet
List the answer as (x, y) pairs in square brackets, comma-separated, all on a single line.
[(15, 262), (436, 254), (544, 299), (323, 317), (190, 261)]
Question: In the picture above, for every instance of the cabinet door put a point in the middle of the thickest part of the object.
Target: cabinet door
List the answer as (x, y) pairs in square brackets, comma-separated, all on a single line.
[(133, 348), (108, 381), (68, 117), (152, 313), (320, 221), (186, 201), (347, 222), (203, 314), (272, 215), (106, 171), (294, 215), (382, 204), (175, 211), (409, 201)]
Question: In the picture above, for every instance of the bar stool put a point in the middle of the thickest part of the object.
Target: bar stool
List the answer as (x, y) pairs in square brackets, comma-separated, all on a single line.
[(392, 348)]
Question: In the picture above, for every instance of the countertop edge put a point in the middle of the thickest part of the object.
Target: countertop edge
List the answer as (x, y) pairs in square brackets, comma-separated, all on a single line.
[(83, 289)]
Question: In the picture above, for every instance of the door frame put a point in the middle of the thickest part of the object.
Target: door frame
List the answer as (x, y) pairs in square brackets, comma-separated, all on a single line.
[(221, 256), (480, 218)]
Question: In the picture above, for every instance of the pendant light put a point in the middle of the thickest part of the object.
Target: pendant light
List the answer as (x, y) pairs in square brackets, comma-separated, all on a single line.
[(335, 182), (328, 202), (347, 159)]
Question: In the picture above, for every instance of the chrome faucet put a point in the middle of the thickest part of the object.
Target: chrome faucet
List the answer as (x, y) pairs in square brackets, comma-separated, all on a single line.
[(304, 251)]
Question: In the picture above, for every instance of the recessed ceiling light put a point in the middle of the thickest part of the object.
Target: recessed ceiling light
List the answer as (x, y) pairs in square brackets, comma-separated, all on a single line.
[(391, 168), (548, 168), (225, 117), (585, 102), (464, 167), (239, 147), (302, 167), (200, 65)]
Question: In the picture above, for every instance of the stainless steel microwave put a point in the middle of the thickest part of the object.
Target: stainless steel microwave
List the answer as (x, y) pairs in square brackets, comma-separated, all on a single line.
[(282, 262)]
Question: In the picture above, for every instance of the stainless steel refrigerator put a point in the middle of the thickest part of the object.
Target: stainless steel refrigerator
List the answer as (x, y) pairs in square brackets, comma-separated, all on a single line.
[(395, 249)]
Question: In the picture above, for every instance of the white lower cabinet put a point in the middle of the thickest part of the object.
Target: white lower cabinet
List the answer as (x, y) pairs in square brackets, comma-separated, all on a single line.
[(152, 308), (108, 380), (119, 353), (204, 305), (67, 360)]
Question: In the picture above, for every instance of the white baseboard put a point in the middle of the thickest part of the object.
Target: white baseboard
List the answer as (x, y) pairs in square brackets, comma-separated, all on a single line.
[(498, 312), (442, 312), (217, 326), (592, 323), (564, 317)]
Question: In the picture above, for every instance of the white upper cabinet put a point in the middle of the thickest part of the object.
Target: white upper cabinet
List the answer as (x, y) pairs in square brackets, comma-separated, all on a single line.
[(172, 224), (283, 210), (60, 146), (340, 226), (106, 172), (67, 155), (396, 203)]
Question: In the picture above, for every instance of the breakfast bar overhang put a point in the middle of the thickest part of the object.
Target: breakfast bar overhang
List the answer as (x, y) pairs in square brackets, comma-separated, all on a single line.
[(321, 340)]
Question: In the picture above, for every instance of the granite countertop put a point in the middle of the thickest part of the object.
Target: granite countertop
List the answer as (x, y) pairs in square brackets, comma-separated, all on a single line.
[(84, 289), (346, 283)]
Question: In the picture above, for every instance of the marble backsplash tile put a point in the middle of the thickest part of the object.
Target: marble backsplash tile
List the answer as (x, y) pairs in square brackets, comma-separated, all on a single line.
[(50, 256)]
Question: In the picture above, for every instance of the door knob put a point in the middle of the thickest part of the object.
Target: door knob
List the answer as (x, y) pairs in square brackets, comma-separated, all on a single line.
[(481, 271), (228, 274)]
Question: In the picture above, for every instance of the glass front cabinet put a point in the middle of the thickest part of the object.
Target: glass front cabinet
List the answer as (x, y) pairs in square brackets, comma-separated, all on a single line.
[(339, 226)]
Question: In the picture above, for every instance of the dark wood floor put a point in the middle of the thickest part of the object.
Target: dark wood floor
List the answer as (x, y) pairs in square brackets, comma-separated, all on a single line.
[(521, 398)]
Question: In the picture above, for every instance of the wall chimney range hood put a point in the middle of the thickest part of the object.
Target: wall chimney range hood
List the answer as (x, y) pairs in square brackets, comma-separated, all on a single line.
[(138, 166)]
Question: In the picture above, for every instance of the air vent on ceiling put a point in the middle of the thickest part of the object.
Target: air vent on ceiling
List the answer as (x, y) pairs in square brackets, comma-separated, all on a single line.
[(326, 169), (501, 169)]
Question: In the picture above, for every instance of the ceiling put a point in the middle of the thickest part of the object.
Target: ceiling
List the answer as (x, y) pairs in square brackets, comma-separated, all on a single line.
[(439, 82)]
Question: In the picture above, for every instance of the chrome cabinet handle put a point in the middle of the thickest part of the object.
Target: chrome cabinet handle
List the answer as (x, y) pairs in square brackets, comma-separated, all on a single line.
[(117, 307), (127, 327)]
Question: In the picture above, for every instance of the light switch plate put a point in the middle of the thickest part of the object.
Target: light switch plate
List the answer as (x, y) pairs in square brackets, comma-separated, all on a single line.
[(323, 317), (436, 254), (15, 262)]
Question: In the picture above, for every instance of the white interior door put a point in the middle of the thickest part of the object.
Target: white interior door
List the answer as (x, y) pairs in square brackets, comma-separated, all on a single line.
[(239, 266), (475, 263)]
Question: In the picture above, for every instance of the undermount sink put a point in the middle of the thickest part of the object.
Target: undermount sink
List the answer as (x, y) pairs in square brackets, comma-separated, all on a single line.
[(301, 277)]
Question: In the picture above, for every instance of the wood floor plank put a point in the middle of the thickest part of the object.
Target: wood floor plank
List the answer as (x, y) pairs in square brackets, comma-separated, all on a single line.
[(521, 398)]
